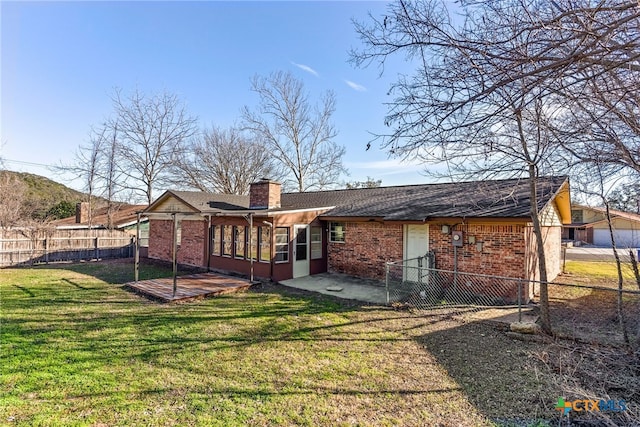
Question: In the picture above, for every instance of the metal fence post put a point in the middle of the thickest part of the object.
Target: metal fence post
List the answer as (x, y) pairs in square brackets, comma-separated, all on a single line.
[(386, 281), (519, 302)]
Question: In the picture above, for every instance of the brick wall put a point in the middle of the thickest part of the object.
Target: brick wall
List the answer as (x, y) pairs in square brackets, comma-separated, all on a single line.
[(191, 251), (264, 194), (160, 239), (367, 247), (192, 243), (552, 237), (503, 249)]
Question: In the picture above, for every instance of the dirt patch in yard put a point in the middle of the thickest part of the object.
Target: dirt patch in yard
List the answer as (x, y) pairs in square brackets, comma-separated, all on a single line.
[(591, 315), (518, 383)]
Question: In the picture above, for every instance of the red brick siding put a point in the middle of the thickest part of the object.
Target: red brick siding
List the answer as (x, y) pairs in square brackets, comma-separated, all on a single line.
[(503, 249), (191, 249), (192, 245), (160, 239), (264, 194), (367, 247)]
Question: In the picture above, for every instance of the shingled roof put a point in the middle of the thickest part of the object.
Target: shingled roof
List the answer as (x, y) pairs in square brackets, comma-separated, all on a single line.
[(123, 215), (211, 202), (472, 199)]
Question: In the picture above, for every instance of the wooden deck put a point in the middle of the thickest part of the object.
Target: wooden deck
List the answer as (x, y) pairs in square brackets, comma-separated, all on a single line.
[(189, 287)]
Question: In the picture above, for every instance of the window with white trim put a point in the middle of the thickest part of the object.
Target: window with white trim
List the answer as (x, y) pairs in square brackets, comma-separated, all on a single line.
[(215, 240), (316, 242), (337, 232), (253, 244), (227, 240), (282, 244), (265, 244), (239, 242)]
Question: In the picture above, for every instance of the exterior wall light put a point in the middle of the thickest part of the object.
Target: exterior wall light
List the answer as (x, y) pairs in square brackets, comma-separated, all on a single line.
[(445, 229)]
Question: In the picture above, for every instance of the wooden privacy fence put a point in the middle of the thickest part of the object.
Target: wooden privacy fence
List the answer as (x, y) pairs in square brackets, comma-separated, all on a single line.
[(29, 247)]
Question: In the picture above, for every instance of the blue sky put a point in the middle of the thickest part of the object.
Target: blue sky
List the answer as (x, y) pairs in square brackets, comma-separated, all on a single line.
[(62, 60)]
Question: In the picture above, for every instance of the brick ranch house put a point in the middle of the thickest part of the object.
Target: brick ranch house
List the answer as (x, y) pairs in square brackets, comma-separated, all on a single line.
[(278, 236)]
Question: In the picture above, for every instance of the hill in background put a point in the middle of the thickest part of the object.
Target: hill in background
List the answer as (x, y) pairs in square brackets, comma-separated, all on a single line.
[(45, 198)]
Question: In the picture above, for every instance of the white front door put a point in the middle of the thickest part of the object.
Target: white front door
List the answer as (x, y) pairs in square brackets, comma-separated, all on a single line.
[(300, 250), (416, 244)]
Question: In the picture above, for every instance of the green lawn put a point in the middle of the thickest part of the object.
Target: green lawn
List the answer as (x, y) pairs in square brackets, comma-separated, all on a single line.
[(77, 349), (600, 270)]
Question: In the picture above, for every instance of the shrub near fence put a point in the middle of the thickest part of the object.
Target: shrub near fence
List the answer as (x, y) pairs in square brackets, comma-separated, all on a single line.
[(29, 247)]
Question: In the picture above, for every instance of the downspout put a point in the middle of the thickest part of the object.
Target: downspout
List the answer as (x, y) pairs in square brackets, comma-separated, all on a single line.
[(250, 220), (174, 255), (270, 249), (209, 242)]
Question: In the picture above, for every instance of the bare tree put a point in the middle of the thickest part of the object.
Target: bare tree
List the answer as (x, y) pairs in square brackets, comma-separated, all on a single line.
[(601, 83), (594, 181), (474, 103), (224, 161), (298, 134), (12, 200), (97, 164), (149, 131), (110, 172), (86, 165)]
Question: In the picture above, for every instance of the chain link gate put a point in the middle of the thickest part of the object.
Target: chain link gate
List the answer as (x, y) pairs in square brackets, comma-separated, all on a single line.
[(416, 283)]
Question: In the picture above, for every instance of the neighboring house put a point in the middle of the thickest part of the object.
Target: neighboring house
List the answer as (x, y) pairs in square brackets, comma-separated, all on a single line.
[(123, 218), (282, 236), (589, 225)]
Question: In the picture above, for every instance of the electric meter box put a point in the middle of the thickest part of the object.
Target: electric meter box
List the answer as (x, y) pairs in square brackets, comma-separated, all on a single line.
[(456, 238)]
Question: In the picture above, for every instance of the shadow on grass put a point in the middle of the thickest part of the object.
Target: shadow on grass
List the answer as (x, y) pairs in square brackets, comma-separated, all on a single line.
[(259, 392), (101, 324), (496, 372), (25, 290), (77, 331)]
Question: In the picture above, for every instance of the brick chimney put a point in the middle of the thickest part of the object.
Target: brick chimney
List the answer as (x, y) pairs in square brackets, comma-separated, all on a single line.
[(82, 212), (264, 194)]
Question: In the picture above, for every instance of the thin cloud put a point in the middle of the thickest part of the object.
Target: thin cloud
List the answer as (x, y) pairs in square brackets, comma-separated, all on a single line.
[(306, 68), (355, 86)]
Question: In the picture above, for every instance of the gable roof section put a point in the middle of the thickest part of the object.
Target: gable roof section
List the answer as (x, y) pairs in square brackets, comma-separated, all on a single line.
[(198, 201), (472, 199), (614, 214)]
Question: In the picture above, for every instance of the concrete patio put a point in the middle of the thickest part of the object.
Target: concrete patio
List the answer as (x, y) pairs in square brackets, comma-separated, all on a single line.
[(341, 286)]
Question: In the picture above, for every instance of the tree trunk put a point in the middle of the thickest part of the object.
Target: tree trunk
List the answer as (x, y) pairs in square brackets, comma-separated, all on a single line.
[(545, 318), (621, 319), (634, 265)]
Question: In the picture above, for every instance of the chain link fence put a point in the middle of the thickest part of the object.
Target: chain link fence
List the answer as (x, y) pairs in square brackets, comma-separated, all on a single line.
[(588, 313), (595, 313), (415, 283)]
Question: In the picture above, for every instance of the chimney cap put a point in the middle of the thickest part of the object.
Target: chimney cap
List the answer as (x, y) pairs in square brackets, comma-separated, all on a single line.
[(266, 180)]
